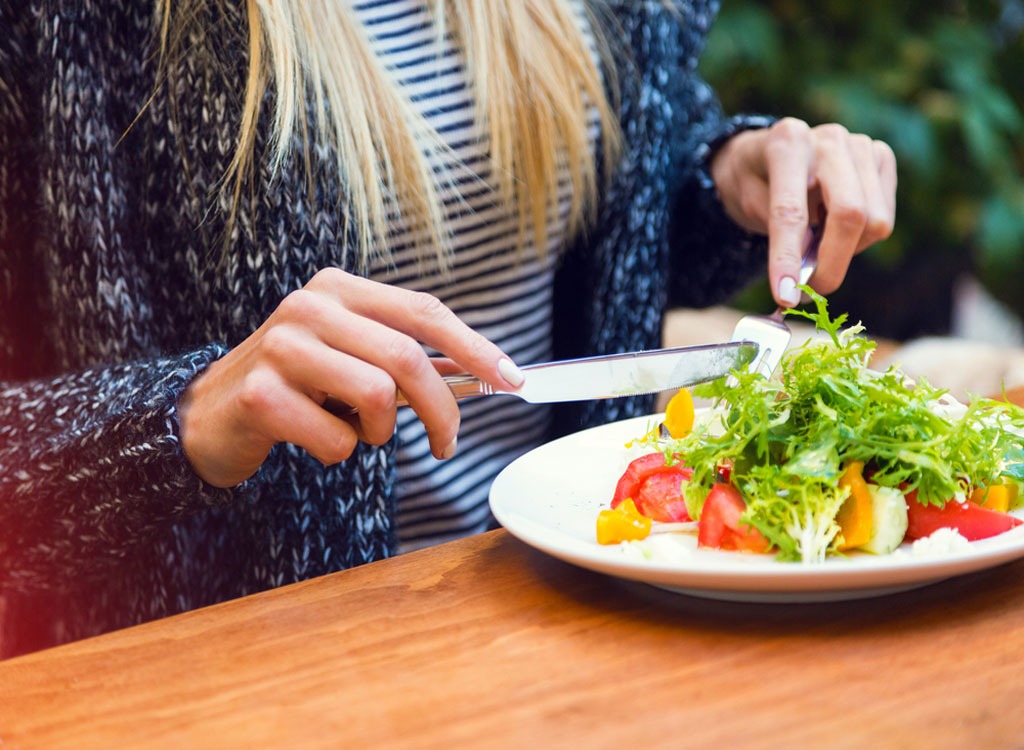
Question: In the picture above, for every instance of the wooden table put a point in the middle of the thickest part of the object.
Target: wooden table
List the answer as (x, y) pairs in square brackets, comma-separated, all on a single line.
[(488, 643)]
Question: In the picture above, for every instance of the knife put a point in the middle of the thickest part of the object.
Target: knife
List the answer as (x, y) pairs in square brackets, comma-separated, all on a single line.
[(607, 376)]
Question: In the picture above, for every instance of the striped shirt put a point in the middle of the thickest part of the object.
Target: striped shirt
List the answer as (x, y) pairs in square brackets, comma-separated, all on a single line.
[(503, 294)]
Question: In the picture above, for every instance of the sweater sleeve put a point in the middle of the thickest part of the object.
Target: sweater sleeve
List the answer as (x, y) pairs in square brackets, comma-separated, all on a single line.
[(90, 461), (711, 256)]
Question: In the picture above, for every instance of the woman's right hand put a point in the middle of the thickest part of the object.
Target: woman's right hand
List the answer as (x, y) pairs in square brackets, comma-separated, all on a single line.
[(342, 336)]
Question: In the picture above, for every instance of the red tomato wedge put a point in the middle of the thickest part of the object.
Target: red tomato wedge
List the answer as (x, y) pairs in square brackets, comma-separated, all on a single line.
[(660, 496), (637, 471), (655, 488), (971, 520), (720, 526)]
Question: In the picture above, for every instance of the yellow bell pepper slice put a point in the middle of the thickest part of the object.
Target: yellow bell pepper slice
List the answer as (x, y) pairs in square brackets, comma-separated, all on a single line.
[(998, 497), (622, 524), (855, 514), (679, 414)]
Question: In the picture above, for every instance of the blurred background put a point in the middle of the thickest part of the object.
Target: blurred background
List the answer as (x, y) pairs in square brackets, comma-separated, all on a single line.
[(943, 83)]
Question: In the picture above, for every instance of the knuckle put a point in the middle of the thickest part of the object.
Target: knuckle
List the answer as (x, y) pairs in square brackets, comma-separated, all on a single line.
[(849, 216), (861, 142), (279, 344), (256, 393), (789, 214), (790, 128), (832, 132), (300, 305), (404, 356), (430, 308), (378, 395), (884, 152), (328, 277)]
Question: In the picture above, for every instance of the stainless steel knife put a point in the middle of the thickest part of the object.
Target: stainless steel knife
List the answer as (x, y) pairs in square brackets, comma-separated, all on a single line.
[(614, 375)]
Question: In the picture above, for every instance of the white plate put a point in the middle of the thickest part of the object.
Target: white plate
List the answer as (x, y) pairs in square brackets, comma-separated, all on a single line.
[(550, 498)]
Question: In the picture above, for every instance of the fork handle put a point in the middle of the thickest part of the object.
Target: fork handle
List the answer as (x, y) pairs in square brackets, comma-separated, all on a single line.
[(461, 386)]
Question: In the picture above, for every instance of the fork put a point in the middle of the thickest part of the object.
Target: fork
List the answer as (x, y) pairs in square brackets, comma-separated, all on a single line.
[(771, 335)]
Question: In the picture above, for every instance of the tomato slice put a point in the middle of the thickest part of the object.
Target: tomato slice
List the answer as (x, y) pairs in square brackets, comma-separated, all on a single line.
[(637, 471), (655, 488), (720, 526), (971, 520), (660, 496)]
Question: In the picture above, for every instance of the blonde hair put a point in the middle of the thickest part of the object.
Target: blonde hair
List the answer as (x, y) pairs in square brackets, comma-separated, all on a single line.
[(533, 76)]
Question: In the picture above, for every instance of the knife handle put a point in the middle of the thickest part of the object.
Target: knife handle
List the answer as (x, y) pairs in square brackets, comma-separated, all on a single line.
[(461, 386)]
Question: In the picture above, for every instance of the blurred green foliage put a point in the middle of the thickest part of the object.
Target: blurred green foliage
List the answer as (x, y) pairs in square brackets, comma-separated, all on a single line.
[(943, 83)]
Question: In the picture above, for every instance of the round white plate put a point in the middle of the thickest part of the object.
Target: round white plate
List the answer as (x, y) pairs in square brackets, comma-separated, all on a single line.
[(550, 498)]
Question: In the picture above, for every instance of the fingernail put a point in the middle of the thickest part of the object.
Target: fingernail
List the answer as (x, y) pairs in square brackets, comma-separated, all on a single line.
[(512, 374), (788, 291), (450, 450)]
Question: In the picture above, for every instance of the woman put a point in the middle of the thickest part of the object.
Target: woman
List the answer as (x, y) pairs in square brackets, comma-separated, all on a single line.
[(216, 215)]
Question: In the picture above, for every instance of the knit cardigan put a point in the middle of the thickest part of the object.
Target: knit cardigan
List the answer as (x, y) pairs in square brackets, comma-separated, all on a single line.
[(117, 289)]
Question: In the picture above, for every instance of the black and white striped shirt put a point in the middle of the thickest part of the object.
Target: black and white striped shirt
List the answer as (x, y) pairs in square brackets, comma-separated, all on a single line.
[(503, 294)]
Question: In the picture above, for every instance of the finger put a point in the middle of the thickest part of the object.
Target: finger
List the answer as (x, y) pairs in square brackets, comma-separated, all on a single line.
[(880, 210), (289, 415), (369, 390), (299, 357), (885, 161), (424, 318), (363, 363), (445, 366), (325, 437), (844, 199), (788, 160)]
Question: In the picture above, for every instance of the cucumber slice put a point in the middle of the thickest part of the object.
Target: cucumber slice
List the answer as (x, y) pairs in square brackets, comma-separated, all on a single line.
[(888, 520)]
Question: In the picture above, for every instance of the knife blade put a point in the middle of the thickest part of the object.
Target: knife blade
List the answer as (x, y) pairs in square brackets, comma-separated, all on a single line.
[(605, 376), (615, 375)]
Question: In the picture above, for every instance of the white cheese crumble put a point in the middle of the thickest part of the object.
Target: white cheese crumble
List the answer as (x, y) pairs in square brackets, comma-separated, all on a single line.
[(940, 543), (660, 548)]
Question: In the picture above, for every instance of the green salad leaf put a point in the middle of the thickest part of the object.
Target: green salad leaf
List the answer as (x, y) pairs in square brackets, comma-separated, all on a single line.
[(787, 438)]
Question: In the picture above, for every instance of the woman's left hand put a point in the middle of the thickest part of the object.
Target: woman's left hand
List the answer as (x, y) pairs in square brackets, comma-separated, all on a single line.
[(772, 181)]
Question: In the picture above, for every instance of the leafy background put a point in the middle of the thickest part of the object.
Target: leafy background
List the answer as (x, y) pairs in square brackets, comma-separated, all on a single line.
[(943, 83)]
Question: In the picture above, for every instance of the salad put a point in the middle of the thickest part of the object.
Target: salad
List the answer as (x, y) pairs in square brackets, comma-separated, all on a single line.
[(825, 457)]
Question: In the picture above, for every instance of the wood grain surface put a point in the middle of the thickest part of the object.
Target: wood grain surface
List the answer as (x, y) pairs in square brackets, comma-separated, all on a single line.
[(487, 643)]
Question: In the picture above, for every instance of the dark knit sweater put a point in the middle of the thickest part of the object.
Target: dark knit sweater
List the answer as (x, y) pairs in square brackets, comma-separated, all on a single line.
[(114, 295)]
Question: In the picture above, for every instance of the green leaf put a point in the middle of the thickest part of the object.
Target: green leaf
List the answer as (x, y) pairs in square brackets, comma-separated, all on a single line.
[(788, 437)]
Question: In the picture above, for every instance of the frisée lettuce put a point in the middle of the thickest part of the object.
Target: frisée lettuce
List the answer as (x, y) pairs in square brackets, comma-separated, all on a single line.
[(784, 441)]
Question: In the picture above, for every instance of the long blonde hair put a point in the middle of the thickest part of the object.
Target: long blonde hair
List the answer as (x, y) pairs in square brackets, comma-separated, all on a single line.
[(533, 76)]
